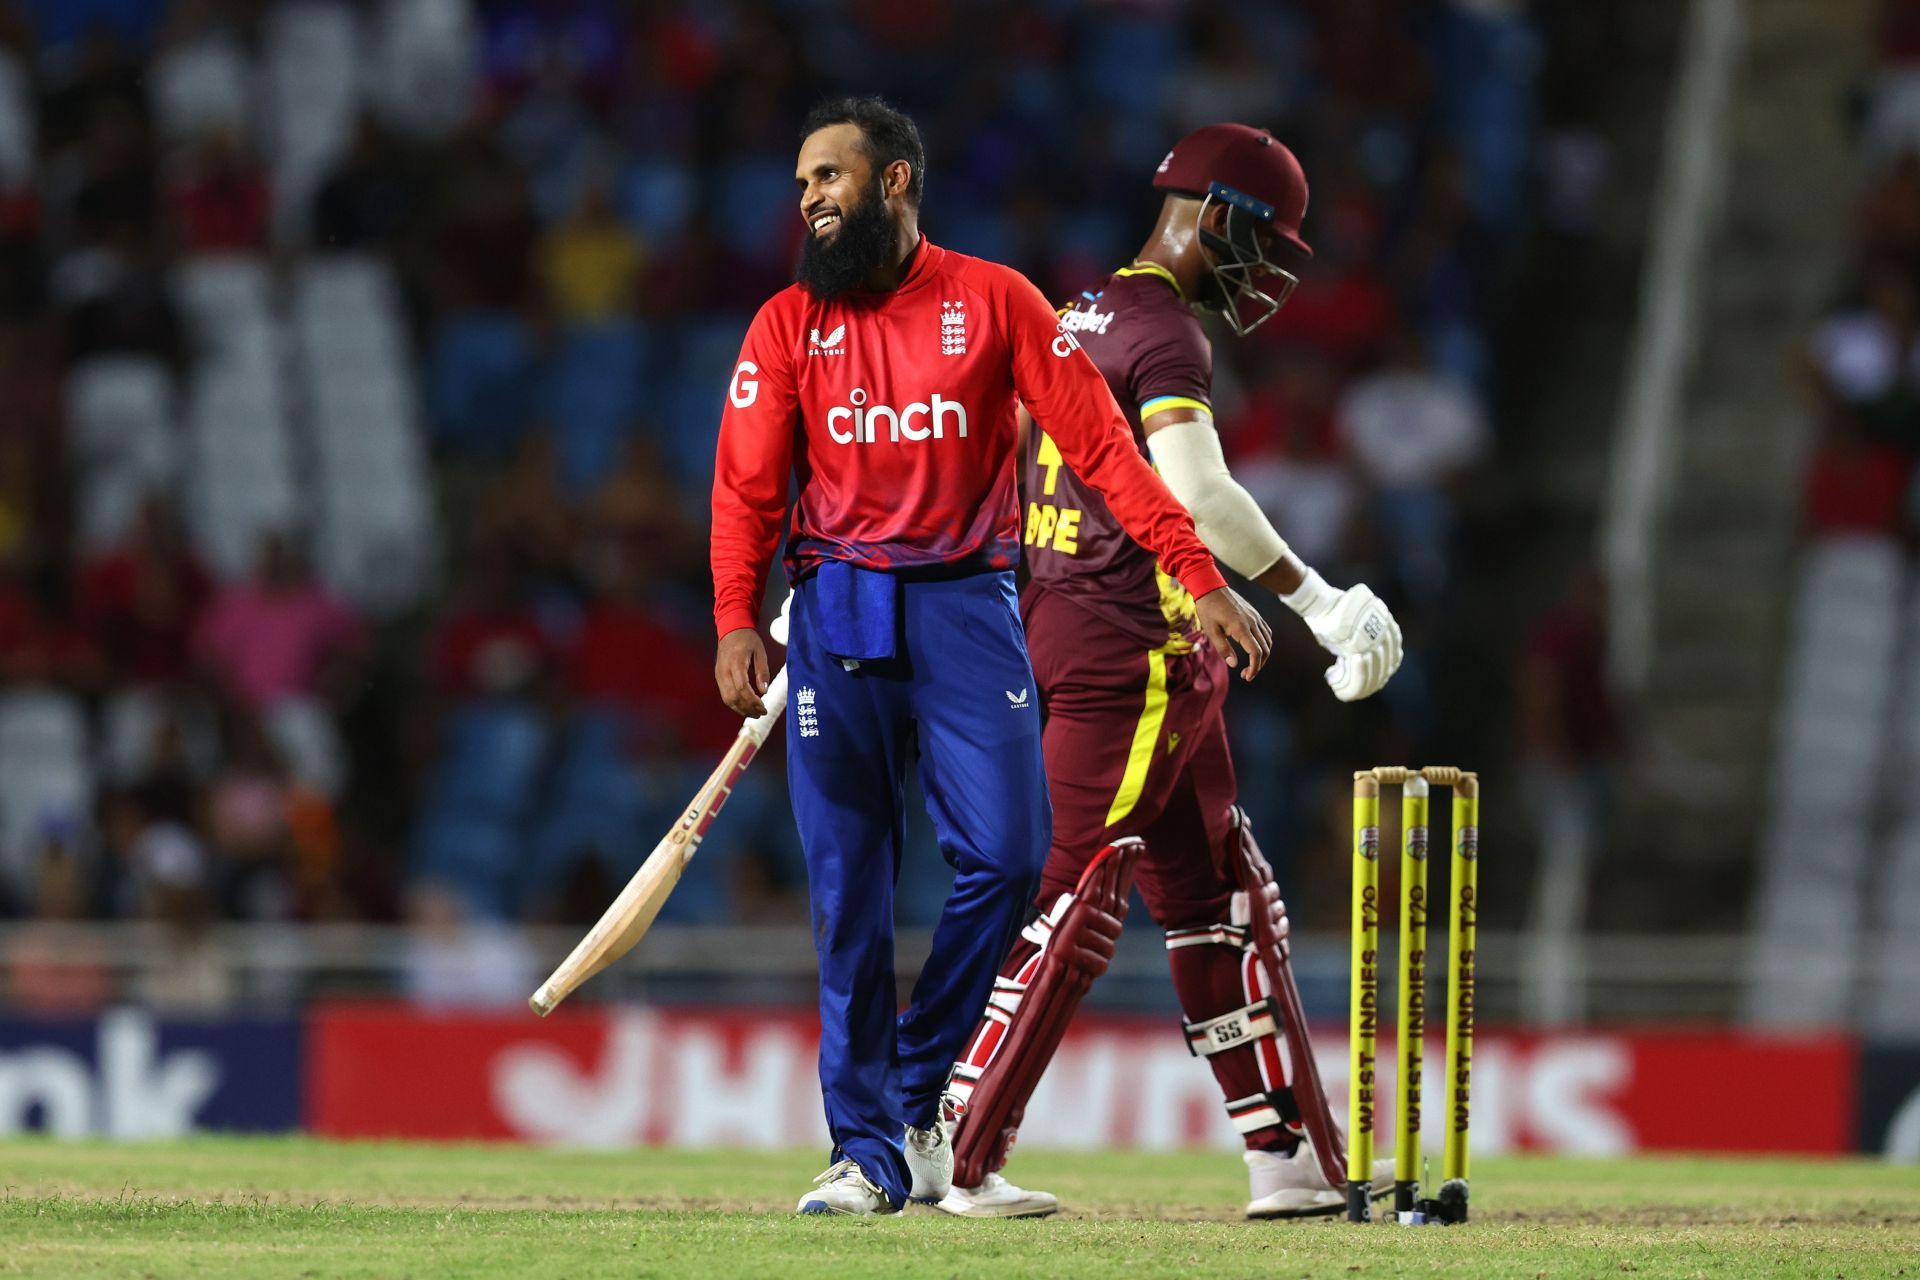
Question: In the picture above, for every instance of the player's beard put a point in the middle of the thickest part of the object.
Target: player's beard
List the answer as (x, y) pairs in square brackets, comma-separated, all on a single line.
[(865, 242)]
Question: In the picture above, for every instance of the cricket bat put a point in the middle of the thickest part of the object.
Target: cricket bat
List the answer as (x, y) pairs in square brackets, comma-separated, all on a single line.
[(632, 913)]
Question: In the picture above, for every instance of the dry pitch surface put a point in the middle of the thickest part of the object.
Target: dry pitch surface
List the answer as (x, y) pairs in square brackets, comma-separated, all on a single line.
[(304, 1208)]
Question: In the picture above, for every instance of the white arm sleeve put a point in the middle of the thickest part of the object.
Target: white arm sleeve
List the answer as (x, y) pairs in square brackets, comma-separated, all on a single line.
[(1229, 521)]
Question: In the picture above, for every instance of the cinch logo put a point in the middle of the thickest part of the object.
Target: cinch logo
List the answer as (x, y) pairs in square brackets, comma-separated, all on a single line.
[(1066, 344), (935, 420), (1092, 320), (834, 344)]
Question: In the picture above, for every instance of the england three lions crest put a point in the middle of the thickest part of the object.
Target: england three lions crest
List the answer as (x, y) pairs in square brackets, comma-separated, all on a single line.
[(953, 328)]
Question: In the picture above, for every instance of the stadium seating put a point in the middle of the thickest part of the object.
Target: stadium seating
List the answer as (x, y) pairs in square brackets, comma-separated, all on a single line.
[(422, 77), (1820, 826), (123, 441), (473, 830), (303, 733), (239, 464), (478, 381), (129, 734), (594, 395), (311, 100), (201, 86), (46, 776), (375, 536), (17, 128)]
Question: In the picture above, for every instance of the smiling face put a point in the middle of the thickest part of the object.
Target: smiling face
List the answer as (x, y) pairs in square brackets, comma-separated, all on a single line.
[(853, 227), (834, 175)]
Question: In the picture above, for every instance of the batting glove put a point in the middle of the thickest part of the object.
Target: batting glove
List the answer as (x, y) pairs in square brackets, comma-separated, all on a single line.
[(1357, 628)]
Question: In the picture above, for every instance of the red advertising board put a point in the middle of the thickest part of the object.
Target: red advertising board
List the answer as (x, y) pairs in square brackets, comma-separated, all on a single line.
[(613, 1077)]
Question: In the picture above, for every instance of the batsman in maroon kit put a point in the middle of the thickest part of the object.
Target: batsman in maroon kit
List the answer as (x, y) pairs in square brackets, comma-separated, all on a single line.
[(1134, 740)]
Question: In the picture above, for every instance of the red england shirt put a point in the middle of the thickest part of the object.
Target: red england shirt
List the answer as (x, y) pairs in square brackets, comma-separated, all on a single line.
[(895, 414)]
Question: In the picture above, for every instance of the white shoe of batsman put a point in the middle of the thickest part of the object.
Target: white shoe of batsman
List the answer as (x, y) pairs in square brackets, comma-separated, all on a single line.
[(1358, 629), (1293, 1186), (845, 1191), (998, 1198), (930, 1160)]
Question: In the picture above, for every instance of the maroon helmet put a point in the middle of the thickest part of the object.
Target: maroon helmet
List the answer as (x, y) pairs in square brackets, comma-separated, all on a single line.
[(1261, 184)]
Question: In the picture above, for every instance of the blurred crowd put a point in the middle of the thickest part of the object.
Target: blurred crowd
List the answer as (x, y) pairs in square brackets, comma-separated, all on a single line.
[(1862, 363), (579, 204)]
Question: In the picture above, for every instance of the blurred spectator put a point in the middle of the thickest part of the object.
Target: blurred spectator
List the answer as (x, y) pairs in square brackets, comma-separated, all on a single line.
[(1413, 434), (1570, 740), (282, 635), (1575, 164), (640, 659), (16, 495), (40, 644), (640, 512), (117, 300), (140, 601), (1342, 310), (220, 201), (1856, 486), (165, 779), (1890, 213), (113, 194), (591, 262), (539, 534), (247, 829), (170, 872), (493, 644), (486, 233), (454, 962), (1568, 726), (47, 966), (370, 201), (101, 78), (1864, 360), (1280, 440)]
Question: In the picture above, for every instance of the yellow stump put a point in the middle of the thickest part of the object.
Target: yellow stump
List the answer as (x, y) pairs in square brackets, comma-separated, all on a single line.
[(1464, 918), (1413, 993), (1363, 1007)]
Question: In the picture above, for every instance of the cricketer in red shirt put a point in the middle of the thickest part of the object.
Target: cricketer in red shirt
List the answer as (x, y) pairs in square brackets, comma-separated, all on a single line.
[(885, 385)]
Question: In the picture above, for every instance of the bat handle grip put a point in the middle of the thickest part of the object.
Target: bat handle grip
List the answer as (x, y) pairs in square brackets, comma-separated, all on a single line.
[(775, 698)]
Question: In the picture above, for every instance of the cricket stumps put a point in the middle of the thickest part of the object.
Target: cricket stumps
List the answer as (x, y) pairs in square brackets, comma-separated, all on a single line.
[(1450, 1205)]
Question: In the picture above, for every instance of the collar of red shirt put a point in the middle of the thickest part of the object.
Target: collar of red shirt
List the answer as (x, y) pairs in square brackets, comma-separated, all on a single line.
[(926, 258)]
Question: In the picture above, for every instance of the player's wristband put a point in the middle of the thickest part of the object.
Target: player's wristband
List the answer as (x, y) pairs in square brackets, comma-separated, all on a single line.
[(1311, 596)]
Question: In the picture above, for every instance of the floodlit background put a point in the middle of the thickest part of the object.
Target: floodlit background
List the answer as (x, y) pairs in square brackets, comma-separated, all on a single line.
[(360, 366)]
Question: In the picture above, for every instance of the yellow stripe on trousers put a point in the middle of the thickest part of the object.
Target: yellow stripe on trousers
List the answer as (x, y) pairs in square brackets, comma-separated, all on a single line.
[(1146, 735)]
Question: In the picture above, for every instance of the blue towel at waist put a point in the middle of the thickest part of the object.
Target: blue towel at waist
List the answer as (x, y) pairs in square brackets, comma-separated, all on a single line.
[(857, 614)]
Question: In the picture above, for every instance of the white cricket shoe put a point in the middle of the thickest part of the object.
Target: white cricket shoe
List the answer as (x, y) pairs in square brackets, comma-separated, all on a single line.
[(1293, 1186), (930, 1160), (998, 1198), (845, 1190)]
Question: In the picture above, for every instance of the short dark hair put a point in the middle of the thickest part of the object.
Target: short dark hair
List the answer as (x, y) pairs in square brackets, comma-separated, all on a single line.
[(887, 134)]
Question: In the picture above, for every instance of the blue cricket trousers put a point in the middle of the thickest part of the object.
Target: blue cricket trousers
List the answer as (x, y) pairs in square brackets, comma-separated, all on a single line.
[(959, 699)]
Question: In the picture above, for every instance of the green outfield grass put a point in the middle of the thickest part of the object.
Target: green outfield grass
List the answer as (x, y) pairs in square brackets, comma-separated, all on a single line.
[(278, 1207)]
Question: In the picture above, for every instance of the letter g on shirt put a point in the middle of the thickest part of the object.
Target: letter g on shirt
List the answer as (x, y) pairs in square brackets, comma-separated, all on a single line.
[(743, 391)]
